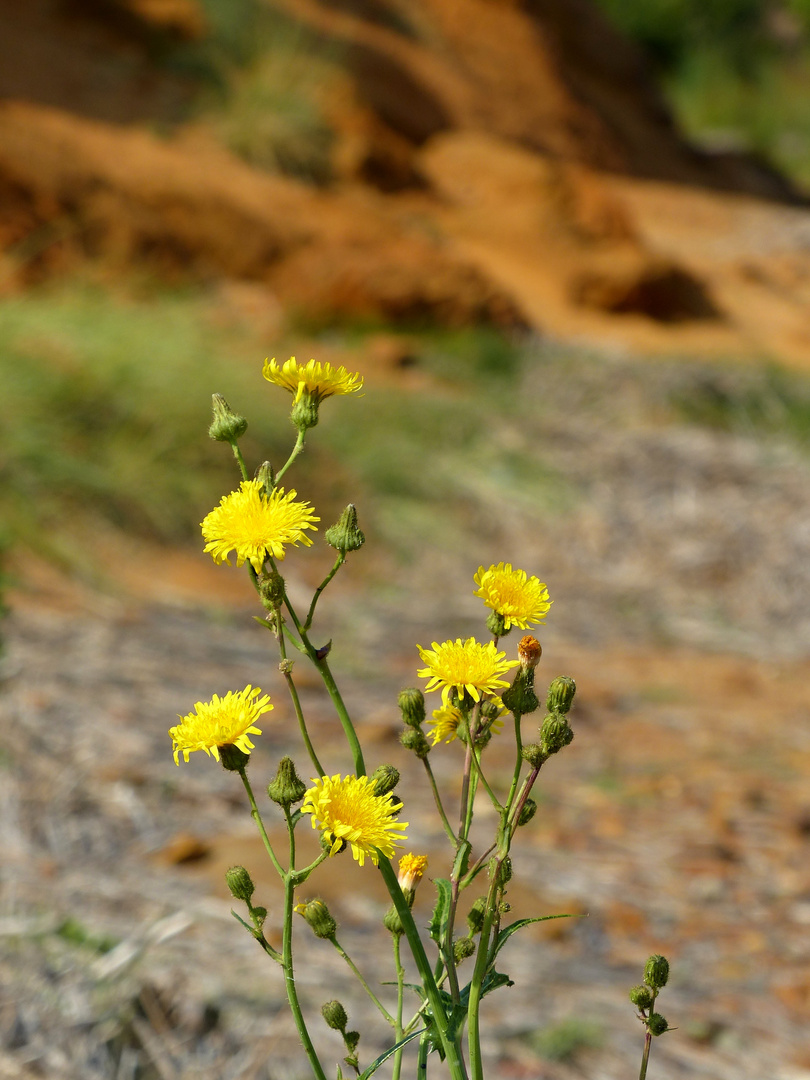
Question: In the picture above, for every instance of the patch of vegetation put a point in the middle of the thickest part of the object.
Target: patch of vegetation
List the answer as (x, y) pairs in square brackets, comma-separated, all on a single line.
[(76, 933), (564, 1040)]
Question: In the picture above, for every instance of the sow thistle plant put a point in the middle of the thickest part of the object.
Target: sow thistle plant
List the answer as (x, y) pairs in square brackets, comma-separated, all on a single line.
[(481, 687)]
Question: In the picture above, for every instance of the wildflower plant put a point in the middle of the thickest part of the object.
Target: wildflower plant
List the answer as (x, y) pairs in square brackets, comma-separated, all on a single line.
[(357, 815)]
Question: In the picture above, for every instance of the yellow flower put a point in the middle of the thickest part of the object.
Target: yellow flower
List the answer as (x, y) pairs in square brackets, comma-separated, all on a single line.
[(518, 599), (255, 525), (411, 869), (319, 380), (445, 724), (349, 812), (466, 665), (227, 721)]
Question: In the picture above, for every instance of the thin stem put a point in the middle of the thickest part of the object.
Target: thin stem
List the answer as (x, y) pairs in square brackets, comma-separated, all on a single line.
[(645, 1057), (240, 461), (378, 1004), (397, 1069), (289, 981), (286, 669), (518, 762), (310, 614), (477, 981), (480, 773), (254, 813), (448, 828), (299, 446), (421, 1061)]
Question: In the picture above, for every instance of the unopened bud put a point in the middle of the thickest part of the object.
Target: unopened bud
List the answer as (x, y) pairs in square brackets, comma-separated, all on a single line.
[(335, 1015), (227, 426), (317, 914), (393, 923), (656, 972), (345, 535), (534, 754), (520, 698), (415, 741), (266, 476), (240, 883), (496, 624), (527, 812), (287, 787), (561, 694), (501, 867), (412, 706), (641, 996), (271, 590), (555, 733), (462, 948), (384, 778), (657, 1024)]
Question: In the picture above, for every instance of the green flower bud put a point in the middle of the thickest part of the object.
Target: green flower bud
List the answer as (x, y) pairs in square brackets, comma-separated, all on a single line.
[(319, 918), (227, 426), (561, 694), (393, 923), (385, 778), (462, 948), (335, 1015), (496, 624), (656, 972), (258, 915), (287, 787), (475, 918), (415, 740), (240, 883), (345, 535), (502, 868), (271, 590), (233, 759), (305, 411), (657, 1024), (527, 812), (534, 754), (266, 476), (641, 996), (412, 706), (351, 1039), (555, 734), (520, 698)]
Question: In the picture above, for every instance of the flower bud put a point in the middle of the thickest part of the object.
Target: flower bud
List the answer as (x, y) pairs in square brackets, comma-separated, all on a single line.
[(335, 1015), (351, 1039), (266, 476), (555, 734), (412, 706), (657, 1024), (641, 996), (384, 778), (475, 918), (462, 948), (233, 759), (317, 914), (528, 810), (345, 535), (529, 652), (503, 868), (393, 923), (534, 754), (561, 694), (305, 411), (415, 740), (287, 787), (656, 972), (271, 590), (520, 698), (411, 869), (227, 426), (496, 624), (240, 883)]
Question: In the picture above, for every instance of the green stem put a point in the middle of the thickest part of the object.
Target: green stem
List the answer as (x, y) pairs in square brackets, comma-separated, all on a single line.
[(378, 1004), (477, 981), (518, 762), (289, 981), (450, 1044), (645, 1057), (397, 1069), (310, 614), (299, 446), (421, 1061), (254, 813), (448, 828), (240, 461), (293, 692)]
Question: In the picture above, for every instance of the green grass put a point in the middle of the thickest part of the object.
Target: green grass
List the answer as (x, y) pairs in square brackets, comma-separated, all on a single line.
[(564, 1040)]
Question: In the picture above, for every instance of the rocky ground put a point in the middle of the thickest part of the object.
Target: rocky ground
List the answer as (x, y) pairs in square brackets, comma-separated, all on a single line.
[(677, 821)]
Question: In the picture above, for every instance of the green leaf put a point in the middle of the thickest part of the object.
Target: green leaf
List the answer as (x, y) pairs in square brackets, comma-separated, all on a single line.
[(461, 860), (441, 912), (389, 1053)]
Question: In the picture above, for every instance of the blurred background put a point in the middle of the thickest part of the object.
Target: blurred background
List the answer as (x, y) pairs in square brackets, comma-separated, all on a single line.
[(567, 243)]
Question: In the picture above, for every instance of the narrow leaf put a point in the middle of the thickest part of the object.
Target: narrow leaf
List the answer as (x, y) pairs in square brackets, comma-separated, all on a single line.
[(441, 912), (389, 1053), (512, 928)]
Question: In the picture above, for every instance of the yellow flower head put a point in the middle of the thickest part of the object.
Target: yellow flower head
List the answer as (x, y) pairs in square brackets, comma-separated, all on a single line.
[(255, 525), (319, 380), (518, 599), (348, 811), (411, 869), (466, 665), (227, 721), (445, 724)]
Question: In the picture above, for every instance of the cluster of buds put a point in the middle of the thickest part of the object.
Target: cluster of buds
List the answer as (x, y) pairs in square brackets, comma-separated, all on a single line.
[(412, 708), (555, 731), (656, 976), (336, 1017)]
